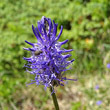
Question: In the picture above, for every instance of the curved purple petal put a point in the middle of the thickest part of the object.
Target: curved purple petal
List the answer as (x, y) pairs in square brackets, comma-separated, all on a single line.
[(29, 43), (60, 33)]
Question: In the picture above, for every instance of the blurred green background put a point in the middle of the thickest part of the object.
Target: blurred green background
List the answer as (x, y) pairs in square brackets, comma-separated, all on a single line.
[(87, 26)]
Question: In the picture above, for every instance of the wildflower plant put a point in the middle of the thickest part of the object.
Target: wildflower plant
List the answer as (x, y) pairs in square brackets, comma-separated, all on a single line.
[(48, 61)]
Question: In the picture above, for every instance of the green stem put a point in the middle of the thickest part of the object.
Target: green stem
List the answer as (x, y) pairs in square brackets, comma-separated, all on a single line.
[(54, 99)]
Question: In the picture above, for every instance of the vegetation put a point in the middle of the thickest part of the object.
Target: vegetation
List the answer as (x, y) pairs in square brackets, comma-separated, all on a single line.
[(87, 26)]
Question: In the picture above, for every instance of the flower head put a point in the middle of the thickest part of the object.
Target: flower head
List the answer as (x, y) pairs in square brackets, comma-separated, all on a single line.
[(97, 87), (99, 102), (108, 65), (48, 61)]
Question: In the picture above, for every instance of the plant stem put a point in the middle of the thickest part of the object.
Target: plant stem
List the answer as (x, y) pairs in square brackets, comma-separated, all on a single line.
[(54, 99)]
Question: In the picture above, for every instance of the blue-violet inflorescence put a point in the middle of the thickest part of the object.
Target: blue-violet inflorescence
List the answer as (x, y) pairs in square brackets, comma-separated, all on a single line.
[(48, 60), (108, 65)]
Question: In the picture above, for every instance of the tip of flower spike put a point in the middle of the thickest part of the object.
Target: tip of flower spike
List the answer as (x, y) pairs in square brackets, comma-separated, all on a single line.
[(69, 79), (71, 50), (29, 43), (31, 49), (37, 34), (34, 30), (64, 42), (43, 17), (32, 26), (55, 23), (72, 60), (25, 48), (28, 59), (60, 33)]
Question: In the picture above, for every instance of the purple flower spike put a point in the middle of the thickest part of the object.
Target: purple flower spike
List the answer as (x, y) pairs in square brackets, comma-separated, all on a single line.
[(108, 65), (99, 102), (48, 61)]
